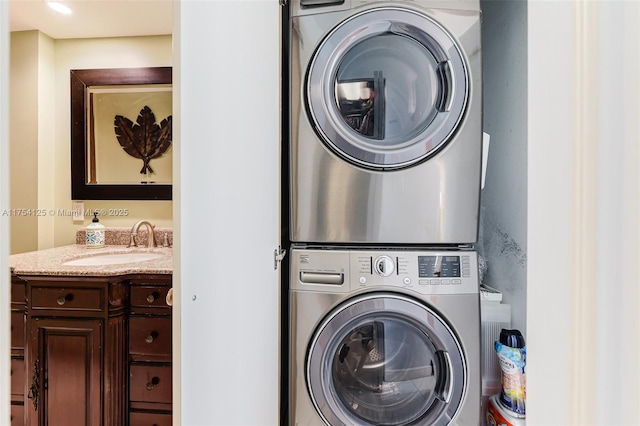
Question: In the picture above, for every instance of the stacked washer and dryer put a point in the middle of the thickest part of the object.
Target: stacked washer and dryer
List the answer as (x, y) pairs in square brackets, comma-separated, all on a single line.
[(385, 113)]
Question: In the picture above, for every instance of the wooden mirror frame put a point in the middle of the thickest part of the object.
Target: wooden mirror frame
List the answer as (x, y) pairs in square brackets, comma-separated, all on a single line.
[(80, 81)]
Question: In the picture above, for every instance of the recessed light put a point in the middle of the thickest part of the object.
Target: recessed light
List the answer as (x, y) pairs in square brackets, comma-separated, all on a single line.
[(59, 7)]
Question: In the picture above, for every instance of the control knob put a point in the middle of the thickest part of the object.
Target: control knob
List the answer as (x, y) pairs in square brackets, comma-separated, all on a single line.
[(384, 266)]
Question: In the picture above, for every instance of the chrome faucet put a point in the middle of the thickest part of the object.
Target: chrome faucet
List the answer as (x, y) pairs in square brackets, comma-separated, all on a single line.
[(151, 241)]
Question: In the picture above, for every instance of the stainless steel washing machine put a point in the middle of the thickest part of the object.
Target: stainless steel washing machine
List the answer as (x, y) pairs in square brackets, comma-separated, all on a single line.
[(385, 121), (384, 337)]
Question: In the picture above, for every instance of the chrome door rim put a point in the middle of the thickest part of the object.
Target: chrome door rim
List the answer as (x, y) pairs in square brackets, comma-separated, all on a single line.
[(342, 319), (322, 72)]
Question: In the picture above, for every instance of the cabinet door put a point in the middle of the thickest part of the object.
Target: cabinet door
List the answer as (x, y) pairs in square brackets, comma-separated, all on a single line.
[(64, 372), (17, 415)]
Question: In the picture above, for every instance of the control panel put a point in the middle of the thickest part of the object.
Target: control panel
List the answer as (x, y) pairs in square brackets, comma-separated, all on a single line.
[(425, 272)]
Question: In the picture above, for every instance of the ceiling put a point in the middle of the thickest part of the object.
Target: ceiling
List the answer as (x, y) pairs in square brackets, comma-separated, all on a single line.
[(93, 18)]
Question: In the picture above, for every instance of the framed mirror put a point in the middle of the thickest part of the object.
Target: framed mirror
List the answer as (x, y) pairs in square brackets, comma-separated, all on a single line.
[(121, 134)]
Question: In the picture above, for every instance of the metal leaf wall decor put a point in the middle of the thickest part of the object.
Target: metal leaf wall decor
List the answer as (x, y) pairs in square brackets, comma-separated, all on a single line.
[(144, 139)]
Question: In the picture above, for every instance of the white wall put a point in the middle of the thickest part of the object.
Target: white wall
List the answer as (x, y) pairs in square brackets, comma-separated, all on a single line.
[(615, 293), (24, 114), (46, 138), (41, 132), (583, 207), (120, 52), (5, 295), (503, 208), (549, 331)]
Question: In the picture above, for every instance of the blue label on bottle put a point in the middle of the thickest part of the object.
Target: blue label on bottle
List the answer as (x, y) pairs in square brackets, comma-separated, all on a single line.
[(512, 363)]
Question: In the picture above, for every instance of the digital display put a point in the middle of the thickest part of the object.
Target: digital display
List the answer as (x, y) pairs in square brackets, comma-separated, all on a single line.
[(438, 266)]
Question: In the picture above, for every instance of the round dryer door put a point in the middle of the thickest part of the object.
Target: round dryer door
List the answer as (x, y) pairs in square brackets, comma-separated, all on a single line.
[(387, 88), (385, 359)]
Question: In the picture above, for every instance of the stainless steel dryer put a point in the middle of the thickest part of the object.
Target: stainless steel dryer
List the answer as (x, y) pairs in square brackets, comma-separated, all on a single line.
[(384, 337), (385, 126)]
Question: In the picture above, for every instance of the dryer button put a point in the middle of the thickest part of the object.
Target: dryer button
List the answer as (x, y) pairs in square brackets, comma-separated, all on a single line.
[(363, 280), (406, 281)]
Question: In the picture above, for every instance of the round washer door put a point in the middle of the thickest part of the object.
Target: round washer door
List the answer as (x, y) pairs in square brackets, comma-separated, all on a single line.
[(387, 88), (385, 359)]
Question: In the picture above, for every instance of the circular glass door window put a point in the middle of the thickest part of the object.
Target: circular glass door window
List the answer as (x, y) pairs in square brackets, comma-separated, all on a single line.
[(387, 88), (385, 360)]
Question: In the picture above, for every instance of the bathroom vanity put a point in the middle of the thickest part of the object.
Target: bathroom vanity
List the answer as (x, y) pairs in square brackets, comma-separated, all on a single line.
[(90, 339)]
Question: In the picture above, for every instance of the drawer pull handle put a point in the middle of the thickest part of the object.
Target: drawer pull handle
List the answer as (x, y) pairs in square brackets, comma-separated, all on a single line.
[(152, 297), (151, 337), (64, 299), (152, 384)]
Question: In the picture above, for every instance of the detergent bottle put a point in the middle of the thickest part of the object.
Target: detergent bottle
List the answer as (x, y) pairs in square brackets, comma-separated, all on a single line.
[(508, 407)]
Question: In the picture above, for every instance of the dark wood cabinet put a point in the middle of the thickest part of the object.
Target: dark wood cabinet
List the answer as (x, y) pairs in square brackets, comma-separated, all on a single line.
[(75, 357), (150, 373), (90, 350), (65, 360), (17, 415), (18, 330)]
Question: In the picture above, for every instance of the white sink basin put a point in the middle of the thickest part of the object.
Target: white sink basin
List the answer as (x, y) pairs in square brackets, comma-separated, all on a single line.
[(112, 259)]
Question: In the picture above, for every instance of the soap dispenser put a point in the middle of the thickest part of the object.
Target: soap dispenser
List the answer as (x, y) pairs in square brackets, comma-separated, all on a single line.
[(95, 233)]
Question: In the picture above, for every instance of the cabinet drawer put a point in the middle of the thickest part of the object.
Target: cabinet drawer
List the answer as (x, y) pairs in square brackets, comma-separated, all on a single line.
[(67, 298), (150, 296), (149, 419), (17, 330), (17, 376), (150, 383), (150, 336)]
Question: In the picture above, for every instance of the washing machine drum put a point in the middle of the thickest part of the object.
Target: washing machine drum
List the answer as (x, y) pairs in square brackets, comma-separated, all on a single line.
[(387, 88), (385, 359)]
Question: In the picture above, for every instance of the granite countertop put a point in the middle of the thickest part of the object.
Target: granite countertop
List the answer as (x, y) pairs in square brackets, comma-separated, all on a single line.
[(51, 261)]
